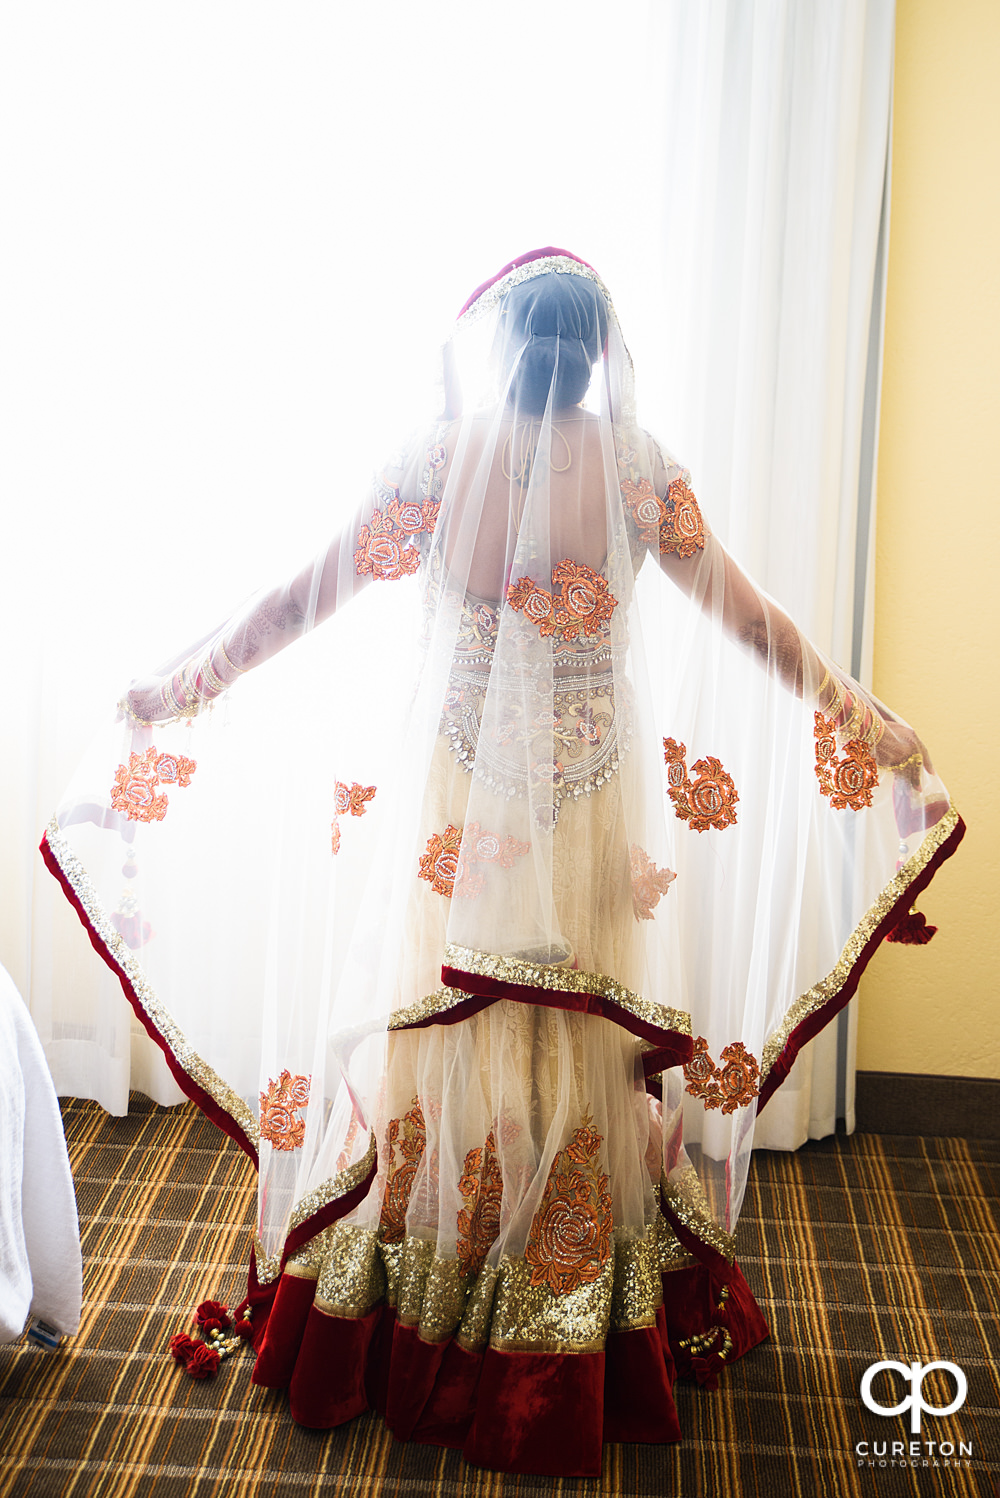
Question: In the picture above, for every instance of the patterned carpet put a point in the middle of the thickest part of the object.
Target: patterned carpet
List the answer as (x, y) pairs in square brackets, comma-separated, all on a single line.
[(858, 1249)]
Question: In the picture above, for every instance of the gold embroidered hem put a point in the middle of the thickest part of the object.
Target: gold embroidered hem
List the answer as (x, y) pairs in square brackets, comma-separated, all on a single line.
[(552, 976), (170, 1035), (685, 1196), (821, 993), (499, 1306)]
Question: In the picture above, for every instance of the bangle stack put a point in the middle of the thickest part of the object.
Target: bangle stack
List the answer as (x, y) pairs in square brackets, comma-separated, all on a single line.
[(854, 719)]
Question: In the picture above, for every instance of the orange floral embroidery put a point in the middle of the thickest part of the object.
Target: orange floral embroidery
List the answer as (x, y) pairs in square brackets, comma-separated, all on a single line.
[(439, 865), (481, 1190), (412, 517), (570, 1238), (380, 553), (647, 508), (348, 798), (708, 801), (729, 1086), (352, 798), (682, 529), (448, 864), (278, 1107), (406, 1139), (648, 883), (134, 790), (583, 604), (848, 781), (344, 1158)]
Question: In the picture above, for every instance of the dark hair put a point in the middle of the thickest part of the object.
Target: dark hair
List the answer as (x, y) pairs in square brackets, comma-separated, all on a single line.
[(553, 324)]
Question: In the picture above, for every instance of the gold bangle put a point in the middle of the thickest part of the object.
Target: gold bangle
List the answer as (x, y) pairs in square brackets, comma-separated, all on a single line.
[(916, 758), (131, 713), (240, 670), (212, 676)]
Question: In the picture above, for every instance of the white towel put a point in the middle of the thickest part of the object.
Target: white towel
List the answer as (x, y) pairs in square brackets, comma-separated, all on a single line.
[(41, 1268)]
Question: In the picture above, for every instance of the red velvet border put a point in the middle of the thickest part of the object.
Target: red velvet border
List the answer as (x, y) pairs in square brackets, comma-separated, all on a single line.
[(205, 1101), (673, 1049), (526, 259), (324, 1216), (813, 1023)]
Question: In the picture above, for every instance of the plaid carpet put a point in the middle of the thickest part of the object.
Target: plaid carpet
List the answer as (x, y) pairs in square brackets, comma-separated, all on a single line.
[(858, 1249)]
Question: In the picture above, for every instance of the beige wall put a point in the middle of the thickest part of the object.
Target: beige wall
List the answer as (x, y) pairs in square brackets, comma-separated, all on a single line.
[(937, 602)]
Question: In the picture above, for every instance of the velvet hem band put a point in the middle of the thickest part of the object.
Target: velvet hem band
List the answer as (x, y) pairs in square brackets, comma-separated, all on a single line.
[(547, 1413), (815, 1022), (672, 1048)]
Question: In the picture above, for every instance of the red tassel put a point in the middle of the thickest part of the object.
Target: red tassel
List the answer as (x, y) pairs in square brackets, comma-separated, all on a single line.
[(183, 1347), (203, 1362), (912, 930), (212, 1316)]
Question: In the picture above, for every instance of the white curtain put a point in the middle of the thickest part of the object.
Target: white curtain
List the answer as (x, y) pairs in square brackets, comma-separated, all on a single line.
[(211, 209), (775, 126)]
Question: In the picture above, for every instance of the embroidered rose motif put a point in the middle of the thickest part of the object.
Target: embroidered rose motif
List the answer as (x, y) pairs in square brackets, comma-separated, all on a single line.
[(437, 457), (406, 516), (738, 1076), (134, 790), (488, 846), (406, 1139), (570, 1238), (586, 597), (707, 801), (352, 798), (536, 603), (278, 1106), (700, 1070), (683, 529), (648, 883), (439, 865), (379, 552), (848, 781), (348, 798), (449, 863), (583, 604), (732, 1085), (481, 1190), (174, 769), (646, 507)]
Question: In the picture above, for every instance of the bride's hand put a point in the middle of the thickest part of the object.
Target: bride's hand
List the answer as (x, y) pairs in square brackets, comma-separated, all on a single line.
[(144, 701), (899, 744)]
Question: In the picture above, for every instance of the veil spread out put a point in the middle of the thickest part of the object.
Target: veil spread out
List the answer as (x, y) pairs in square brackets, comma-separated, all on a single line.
[(490, 915)]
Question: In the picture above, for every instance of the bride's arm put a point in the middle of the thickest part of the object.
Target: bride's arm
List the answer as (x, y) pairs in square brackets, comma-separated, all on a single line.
[(382, 542), (697, 562)]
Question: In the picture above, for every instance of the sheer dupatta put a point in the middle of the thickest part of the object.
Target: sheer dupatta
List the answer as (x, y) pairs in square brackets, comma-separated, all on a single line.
[(490, 942)]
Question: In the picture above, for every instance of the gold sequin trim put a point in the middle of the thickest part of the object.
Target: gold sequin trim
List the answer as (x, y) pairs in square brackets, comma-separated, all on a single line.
[(686, 1198), (828, 988), (637, 1292), (192, 1064), (435, 1003), (548, 976), (352, 1275), (499, 1305), (530, 1318), (337, 1186), (268, 1266)]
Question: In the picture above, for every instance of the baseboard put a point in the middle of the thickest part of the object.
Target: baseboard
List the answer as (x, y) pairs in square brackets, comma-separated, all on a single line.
[(938, 1107)]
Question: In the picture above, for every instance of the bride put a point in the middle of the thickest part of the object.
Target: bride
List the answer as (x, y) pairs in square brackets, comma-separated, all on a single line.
[(490, 935)]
